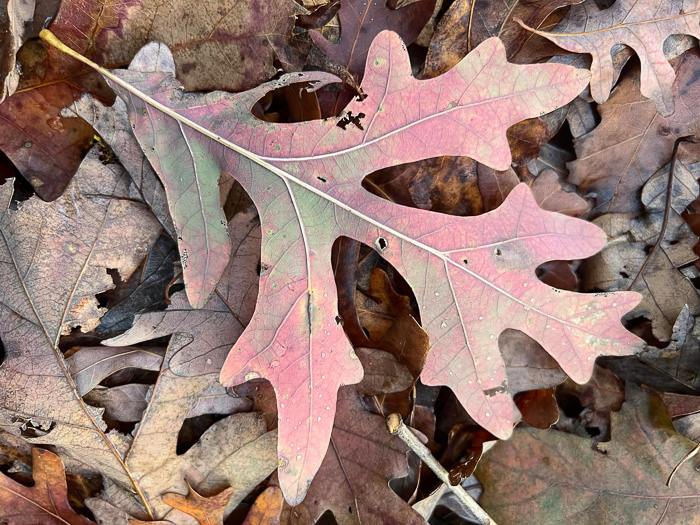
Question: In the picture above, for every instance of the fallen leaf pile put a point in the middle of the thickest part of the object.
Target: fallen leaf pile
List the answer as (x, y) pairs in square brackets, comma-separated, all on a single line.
[(236, 236)]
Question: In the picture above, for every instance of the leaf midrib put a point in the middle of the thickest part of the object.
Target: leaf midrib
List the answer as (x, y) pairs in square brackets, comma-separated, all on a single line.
[(285, 176)]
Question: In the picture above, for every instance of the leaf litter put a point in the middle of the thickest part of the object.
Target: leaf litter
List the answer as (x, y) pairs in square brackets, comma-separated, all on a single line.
[(452, 285)]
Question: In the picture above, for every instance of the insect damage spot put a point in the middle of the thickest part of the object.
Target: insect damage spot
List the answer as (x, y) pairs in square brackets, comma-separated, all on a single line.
[(500, 389), (183, 258), (381, 244), (339, 320), (349, 118), (322, 179), (33, 427)]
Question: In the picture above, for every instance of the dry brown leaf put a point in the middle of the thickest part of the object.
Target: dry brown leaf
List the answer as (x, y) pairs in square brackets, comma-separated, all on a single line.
[(353, 479), (665, 289), (632, 141), (55, 258), (544, 476)]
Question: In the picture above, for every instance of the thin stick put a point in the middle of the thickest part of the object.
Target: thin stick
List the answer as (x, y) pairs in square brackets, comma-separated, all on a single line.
[(685, 458), (667, 210), (397, 427)]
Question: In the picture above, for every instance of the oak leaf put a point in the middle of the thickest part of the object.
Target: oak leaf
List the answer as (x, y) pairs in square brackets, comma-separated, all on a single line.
[(45, 502), (624, 481), (237, 451), (642, 25), (301, 168), (54, 258), (310, 167), (632, 141), (625, 262), (206, 510)]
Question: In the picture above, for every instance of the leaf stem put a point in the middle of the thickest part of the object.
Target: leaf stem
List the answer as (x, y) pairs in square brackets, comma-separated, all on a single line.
[(396, 426), (667, 209)]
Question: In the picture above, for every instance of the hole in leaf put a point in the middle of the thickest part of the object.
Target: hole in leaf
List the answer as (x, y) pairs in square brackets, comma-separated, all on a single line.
[(289, 102), (338, 320), (497, 252), (3, 354), (624, 275), (322, 179), (33, 427), (327, 518), (593, 431), (381, 243), (103, 298), (349, 118), (465, 261)]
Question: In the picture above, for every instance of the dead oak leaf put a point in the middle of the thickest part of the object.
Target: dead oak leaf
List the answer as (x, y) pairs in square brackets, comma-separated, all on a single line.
[(642, 25), (206, 510), (305, 179), (45, 502), (632, 141), (53, 260), (623, 481)]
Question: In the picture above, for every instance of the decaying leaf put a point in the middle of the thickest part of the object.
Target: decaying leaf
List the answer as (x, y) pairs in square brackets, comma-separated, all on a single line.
[(53, 260), (112, 123), (642, 25), (45, 502), (298, 170), (543, 476), (671, 369), (236, 451), (467, 23), (220, 45), (267, 508)]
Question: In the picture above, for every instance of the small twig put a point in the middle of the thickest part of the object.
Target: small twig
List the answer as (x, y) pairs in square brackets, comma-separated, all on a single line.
[(685, 458), (667, 210), (397, 427), (167, 288)]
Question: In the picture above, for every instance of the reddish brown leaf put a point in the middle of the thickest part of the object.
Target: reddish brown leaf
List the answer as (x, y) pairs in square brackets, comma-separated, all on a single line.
[(45, 502), (360, 22), (538, 408), (468, 23)]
